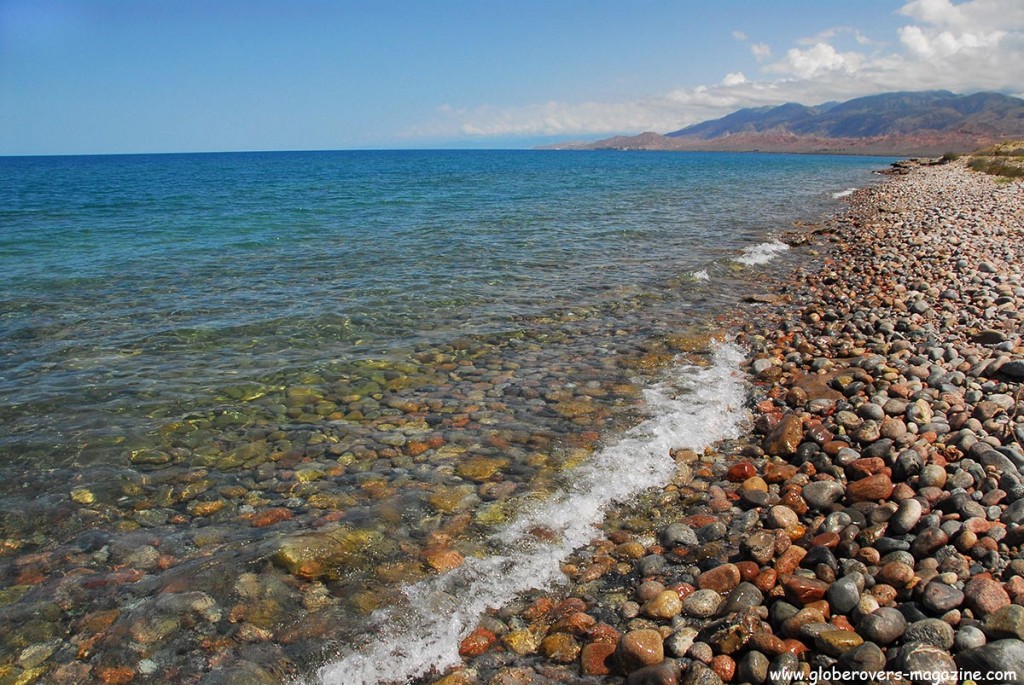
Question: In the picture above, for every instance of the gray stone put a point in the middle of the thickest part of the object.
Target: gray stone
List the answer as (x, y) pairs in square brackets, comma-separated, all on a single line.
[(866, 658), (702, 604), (822, 494), (1013, 369), (782, 669), (759, 547), (743, 596), (883, 626), (906, 517), (1005, 622), (926, 663), (679, 534), (665, 673), (844, 594), (998, 656), (940, 598), (968, 637), (699, 674), (932, 631), (752, 668)]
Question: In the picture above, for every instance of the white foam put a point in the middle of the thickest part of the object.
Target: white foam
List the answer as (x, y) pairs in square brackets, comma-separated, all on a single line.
[(701, 275), (844, 193), (424, 634), (761, 254)]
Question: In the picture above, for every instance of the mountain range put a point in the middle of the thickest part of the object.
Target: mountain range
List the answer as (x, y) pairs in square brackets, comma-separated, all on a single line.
[(906, 124)]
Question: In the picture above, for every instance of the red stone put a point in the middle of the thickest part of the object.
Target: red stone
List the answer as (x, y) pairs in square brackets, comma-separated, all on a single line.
[(766, 580), (603, 632), (985, 595), (567, 607), (724, 667), (738, 473), (477, 642), (795, 647), (749, 570), (596, 658), (803, 590), (578, 623), (876, 487), (269, 517), (779, 473), (830, 540), (864, 467), (789, 560), (721, 579)]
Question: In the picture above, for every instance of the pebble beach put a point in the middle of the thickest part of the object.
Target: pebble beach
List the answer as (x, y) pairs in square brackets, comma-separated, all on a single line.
[(868, 526)]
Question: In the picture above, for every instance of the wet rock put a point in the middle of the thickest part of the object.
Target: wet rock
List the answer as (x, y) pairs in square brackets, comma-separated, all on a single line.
[(639, 648), (722, 579), (668, 672), (786, 437), (821, 495), (699, 674), (702, 604), (665, 605)]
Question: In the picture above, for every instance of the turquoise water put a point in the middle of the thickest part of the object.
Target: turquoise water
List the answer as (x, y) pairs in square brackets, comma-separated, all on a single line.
[(189, 341)]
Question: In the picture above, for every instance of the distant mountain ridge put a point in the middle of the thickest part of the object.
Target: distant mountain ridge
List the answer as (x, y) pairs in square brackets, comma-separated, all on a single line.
[(903, 123)]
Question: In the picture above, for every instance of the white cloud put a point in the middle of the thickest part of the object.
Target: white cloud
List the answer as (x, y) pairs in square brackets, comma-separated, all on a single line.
[(819, 59), (761, 51), (734, 79), (967, 46)]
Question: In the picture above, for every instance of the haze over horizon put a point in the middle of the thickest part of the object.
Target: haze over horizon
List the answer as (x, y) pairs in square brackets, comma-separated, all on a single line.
[(112, 76)]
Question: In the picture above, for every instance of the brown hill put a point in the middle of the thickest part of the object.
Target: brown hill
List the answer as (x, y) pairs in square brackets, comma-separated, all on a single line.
[(905, 124)]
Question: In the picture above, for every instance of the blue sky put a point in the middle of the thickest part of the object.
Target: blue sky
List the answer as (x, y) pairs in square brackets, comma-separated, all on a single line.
[(102, 76)]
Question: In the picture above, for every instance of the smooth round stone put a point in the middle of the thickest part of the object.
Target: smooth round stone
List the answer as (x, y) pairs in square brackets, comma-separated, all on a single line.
[(702, 604), (822, 494), (919, 657), (843, 594), (870, 410), (1001, 655), (679, 534), (665, 673), (932, 631), (700, 674), (968, 637), (745, 595), (722, 579), (867, 657), (782, 517), (649, 589), (665, 605), (933, 476), (752, 668), (652, 565), (906, 517), (927, 542), (985, 595), (639, 648), (883, 626)]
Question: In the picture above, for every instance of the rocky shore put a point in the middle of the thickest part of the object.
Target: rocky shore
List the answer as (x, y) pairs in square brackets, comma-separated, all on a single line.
[(874, 518)]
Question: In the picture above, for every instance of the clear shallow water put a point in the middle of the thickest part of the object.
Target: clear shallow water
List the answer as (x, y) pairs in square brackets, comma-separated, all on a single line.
[(408, 343)]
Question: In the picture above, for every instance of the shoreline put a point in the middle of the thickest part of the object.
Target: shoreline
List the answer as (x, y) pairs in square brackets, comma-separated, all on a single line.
[(871, 521)]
